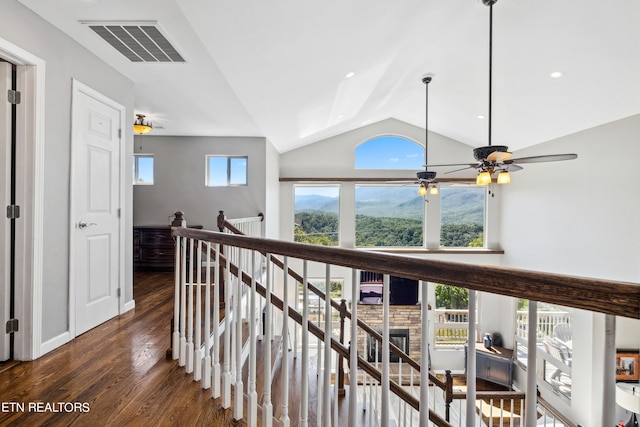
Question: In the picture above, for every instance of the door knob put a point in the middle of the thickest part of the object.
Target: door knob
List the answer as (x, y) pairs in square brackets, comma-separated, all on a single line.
[(83, 224)]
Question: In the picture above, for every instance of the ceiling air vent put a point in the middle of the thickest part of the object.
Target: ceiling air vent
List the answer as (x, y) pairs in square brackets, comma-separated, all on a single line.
[(139, 42)]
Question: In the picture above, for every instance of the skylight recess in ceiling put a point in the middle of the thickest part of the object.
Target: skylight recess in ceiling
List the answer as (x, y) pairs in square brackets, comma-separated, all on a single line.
[(139, 42)]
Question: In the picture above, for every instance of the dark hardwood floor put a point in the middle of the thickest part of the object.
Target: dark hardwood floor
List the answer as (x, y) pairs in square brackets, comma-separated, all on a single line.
[(117, 374)]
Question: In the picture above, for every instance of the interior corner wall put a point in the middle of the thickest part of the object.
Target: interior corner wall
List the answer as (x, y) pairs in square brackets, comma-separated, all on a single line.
[(579, 217), (179, 180), (65, 60), (272, 190)]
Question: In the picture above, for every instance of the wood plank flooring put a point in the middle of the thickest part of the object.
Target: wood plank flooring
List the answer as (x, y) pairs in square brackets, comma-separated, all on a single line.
[(118, 370)]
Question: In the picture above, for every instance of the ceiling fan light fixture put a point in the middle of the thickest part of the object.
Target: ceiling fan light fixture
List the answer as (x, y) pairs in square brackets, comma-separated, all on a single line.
[(433, 190), (141, 125), (504, 177), (483, 178), (422, 190)]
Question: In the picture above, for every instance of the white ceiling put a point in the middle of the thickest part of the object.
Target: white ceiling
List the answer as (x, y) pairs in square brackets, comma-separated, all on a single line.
[(277, 68)]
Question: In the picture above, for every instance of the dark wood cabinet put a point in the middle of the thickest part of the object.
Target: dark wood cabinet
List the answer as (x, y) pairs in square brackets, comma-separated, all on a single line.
[(154, 247)]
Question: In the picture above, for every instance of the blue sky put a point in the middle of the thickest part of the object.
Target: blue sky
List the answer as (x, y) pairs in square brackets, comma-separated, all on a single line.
[(389, 152)]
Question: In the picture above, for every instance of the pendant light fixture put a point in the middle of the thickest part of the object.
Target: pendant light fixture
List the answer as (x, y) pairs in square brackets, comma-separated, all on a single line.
[(141, 125), (426, 177)]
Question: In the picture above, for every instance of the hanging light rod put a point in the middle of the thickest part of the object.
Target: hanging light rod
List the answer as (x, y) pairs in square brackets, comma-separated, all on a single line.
[(426, 175)]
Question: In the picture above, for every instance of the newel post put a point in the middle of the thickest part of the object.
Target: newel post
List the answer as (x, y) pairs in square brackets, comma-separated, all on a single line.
[(178, 220), (448, 393), (221, 220), (174, 345), (343, 315)]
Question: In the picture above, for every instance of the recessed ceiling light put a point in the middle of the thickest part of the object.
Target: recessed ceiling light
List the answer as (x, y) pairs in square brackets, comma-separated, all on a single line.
[(556, 74), (350, 74), (480, 116)]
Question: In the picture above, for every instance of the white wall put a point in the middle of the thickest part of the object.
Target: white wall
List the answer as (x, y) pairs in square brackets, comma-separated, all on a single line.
[(580, 217), (179, 180), (272, 196), (65, 60)]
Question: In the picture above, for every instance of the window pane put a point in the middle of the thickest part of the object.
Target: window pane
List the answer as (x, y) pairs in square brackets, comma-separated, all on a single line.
[(316, 215), (389, 152), (143, 169), (462, 217), (238, 166), (217, 171), (388, 216)]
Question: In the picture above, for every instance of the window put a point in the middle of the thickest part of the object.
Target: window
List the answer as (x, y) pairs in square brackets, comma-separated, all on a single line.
[(389, 152), (143, 169), (316, 215), (389, 216), (225, 171), (462, 216)]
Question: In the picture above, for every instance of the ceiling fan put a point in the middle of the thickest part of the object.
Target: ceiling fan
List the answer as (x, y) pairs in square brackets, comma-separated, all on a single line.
[(492, 159)]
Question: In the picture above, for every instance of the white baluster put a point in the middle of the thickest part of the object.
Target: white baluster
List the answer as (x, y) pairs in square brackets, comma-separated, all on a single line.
[(320, 369), (471, 360), (206, 375), (531, 389), (197, 354), (424, 356), (183, 305), (226, 360), (175, 341), (295, 324), (326, 411), (189, 350), (385, 414), (335, 390), (267, 406), (304, 388), (215, 370), (237, 316), (252, 405), (353, 349), (284, 410)]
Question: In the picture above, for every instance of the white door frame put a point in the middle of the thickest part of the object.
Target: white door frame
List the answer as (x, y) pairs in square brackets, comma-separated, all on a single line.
[(77, 88), (29, 196)]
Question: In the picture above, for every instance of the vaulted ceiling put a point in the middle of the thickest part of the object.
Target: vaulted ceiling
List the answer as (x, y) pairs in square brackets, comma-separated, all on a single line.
[(279, 68)]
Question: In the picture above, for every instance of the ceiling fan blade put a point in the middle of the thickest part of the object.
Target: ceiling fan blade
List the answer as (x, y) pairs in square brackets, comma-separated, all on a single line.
[(540, 159), (511, 167), (462, 169), (499, 156), (469, 165)]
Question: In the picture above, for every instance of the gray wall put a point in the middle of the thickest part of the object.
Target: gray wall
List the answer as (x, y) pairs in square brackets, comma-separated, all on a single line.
[(65, 60), (179, 180)]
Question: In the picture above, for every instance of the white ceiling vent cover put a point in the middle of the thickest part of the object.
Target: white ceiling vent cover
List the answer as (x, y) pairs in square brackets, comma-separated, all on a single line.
[(138, 41)]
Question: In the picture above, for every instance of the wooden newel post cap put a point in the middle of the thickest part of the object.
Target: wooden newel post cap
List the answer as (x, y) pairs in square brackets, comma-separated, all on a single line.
[(221, 220), (178, 220)]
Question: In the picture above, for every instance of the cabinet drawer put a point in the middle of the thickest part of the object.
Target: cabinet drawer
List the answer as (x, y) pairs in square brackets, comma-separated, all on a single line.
[(157, 255), (156, 238)]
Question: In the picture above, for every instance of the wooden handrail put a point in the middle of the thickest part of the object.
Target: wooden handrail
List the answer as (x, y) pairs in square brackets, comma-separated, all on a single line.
[(546, 405), (603, 296)]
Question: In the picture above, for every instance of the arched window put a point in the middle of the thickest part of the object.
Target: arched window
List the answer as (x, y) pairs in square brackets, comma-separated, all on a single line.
[(389, 152)]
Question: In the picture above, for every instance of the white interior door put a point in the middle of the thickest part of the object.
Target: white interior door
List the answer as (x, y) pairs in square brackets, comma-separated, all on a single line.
[(5, 200), (95, 204)]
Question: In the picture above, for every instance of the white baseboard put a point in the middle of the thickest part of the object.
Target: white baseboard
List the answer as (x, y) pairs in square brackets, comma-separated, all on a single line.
[(54, 343), (128, 306)]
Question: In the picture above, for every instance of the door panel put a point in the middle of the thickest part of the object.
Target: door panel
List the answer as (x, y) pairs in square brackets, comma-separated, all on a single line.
[(95, 189), (5, 200)]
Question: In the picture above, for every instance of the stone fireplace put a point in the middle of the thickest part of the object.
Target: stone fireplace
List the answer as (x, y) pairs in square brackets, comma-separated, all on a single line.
[(405, 327)]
